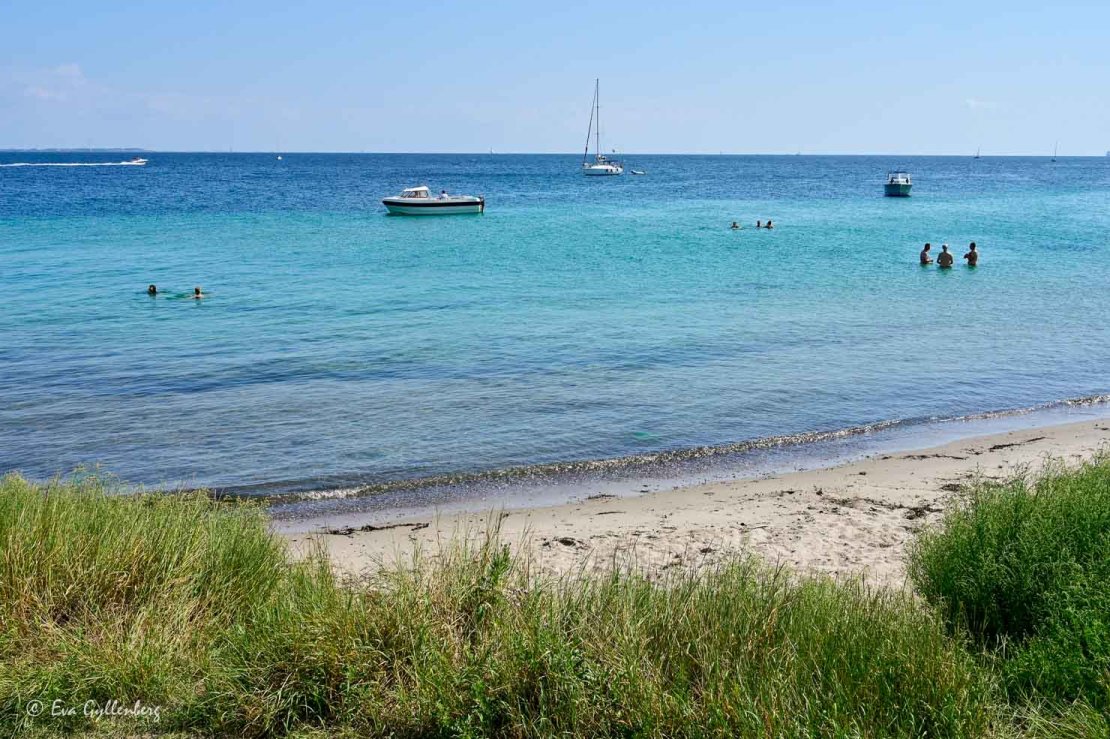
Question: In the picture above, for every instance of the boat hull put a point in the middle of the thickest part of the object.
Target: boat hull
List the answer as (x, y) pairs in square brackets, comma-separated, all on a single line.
[(602, 170), (896, 190), (399, 207)]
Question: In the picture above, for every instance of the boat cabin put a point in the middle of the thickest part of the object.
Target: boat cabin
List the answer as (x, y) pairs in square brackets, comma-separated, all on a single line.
[(416, 192)]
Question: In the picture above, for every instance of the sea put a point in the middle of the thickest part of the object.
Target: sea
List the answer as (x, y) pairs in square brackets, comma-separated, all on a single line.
[(583, 335)]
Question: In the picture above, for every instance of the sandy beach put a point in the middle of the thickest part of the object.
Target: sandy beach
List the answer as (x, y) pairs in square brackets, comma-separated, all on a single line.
[(851, 519)]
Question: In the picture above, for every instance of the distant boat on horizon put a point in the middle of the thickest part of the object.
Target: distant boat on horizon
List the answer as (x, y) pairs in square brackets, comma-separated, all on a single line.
[(602, 165), (136, 162), (898, 184), (1054, 150), (977, 152)]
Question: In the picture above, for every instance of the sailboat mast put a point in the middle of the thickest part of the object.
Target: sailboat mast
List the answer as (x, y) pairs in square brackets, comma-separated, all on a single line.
[(597, 102), (590, 130)]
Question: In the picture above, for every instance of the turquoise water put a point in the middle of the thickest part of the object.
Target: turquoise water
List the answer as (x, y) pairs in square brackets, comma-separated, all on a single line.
[(579, 318)]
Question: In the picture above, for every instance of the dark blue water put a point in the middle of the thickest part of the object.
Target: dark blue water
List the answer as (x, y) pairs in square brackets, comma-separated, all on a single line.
[(579, 318)]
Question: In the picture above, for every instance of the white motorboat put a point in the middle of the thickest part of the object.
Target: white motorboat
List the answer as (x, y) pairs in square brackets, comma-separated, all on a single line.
[(601, 165), (898, 184), (418, 201), (137, 161)]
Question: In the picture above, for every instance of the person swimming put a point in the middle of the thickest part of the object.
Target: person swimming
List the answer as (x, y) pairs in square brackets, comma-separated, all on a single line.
[(735, 226), (925, 258), (972, 255), (197, 294), (152, 290), (759, 224), (944, 259), (769, 224)]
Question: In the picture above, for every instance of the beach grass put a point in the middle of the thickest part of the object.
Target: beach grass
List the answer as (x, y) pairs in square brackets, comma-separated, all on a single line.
[(1023, 567), (194, 607)]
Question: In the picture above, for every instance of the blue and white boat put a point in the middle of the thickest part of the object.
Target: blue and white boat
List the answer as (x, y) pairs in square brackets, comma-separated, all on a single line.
[(418, 201), (898, 184)]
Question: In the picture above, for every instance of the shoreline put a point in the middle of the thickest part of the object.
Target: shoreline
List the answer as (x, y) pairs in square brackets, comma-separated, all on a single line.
[(549, 484), (852, 518)]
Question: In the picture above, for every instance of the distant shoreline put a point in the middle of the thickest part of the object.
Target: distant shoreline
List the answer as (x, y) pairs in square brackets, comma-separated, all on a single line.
[(546, 153), (71, 151)]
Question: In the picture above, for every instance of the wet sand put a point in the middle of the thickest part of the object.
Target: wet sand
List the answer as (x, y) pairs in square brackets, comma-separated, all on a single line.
[(853, 519)]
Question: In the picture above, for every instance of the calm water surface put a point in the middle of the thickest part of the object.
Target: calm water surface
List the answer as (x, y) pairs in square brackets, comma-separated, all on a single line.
[(579, 318)]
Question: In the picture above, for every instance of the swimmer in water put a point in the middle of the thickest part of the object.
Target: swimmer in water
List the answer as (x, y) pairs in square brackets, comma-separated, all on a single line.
[(152, 290), (769, 224), (759, 224), (197, 294), (735, 226), (972, 256), (944, 259), (925, 258)]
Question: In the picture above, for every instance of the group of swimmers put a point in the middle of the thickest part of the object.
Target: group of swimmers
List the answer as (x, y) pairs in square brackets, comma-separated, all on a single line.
[(758, 224), (152, 291), (944, 259)]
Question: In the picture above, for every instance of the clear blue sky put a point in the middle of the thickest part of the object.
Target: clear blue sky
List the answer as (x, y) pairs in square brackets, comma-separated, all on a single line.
[(776, 77)]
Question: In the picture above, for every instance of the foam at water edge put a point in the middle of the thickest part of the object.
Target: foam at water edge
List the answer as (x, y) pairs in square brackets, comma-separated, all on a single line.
[(655, 459)]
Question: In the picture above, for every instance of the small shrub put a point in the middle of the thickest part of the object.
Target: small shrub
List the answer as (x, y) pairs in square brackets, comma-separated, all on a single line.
[(1025, 568)]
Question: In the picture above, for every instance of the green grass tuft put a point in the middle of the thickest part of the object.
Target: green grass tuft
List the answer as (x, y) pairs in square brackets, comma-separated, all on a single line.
[(1025, 567)]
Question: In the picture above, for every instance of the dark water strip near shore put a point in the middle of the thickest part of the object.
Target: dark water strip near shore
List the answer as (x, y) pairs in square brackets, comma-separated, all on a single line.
[(553, 483)]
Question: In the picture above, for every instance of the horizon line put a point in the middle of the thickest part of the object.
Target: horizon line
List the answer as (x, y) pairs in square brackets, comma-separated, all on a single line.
[(111, 149)]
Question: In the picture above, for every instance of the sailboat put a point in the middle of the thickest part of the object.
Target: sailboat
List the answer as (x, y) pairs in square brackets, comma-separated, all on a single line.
[(977, 152), (601, 165), (1054, 150)]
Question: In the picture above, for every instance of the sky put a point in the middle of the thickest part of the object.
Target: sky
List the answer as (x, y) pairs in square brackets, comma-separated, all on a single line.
[(696, 77)]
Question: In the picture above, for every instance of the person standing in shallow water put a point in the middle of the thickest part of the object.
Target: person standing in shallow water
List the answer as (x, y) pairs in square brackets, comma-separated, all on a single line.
[(944, 259), (925, 258), (972, 255)]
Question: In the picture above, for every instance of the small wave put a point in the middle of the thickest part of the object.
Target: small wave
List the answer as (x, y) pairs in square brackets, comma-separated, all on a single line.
[(74, 164), (646, 460)]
